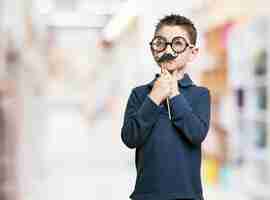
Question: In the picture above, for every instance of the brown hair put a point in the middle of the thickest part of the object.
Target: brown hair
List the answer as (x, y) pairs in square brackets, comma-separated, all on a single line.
[(178, 20)]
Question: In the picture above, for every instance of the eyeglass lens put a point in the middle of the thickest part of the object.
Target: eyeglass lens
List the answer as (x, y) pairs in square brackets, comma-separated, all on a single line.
[(178, 44)]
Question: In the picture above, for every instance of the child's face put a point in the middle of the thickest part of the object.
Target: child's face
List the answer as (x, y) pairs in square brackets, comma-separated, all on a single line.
[(170, 32)]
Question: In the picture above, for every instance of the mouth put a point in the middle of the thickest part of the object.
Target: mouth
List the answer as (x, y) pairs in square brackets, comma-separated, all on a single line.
[(171, 62)]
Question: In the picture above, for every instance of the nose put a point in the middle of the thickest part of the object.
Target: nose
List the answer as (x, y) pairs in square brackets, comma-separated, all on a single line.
[(169, 49)]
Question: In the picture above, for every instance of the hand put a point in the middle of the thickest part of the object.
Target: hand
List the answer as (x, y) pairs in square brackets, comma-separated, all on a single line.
[(162, 87), (174, 84), (174, 76)]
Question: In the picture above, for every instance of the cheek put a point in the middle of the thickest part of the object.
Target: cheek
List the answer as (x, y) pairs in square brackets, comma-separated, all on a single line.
[(181, 59), (156, 54)]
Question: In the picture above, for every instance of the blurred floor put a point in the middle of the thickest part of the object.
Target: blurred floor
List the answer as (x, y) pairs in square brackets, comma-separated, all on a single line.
[(78, 162)]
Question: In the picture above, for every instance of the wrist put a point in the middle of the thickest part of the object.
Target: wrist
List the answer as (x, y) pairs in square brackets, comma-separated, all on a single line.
[(155, 98), (174, 93)]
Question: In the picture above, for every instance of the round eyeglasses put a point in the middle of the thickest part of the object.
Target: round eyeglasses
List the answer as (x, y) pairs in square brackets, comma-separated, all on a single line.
[(179, 44)]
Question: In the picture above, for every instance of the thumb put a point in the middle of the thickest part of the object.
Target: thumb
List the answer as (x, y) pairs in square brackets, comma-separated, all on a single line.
[(164, 70)]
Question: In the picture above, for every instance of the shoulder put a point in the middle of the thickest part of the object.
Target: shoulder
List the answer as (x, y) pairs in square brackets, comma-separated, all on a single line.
[(202, 90), (140, 89), (140, 92), (198, 91)]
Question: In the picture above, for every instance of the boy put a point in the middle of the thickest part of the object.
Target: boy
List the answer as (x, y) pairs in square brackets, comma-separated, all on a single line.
[(168, 139)]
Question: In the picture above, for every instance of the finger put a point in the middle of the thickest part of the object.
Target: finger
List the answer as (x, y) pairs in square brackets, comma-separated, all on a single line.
[(162, 74), (167, 75), (165, 78), (174, 75), (162, 68), (167, 72)]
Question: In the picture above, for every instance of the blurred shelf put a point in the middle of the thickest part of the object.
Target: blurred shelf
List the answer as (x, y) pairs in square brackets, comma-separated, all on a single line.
[(250, 82), (258, 117), (76, 20)]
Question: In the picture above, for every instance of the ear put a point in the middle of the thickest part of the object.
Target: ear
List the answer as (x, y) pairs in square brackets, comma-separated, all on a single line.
[(193, 54)]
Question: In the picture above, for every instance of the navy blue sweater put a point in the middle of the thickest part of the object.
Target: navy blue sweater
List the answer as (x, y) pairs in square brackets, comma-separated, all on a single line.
[(168, 152)]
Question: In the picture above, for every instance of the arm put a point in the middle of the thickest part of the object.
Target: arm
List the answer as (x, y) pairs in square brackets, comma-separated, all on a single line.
[(194, 121), (138, 120)]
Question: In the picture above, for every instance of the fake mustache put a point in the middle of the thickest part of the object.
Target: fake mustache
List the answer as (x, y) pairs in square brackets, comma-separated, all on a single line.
[(166, 57)]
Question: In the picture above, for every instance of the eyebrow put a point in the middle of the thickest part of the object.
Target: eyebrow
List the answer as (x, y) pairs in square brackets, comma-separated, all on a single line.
[(189, 42), (174, 37)]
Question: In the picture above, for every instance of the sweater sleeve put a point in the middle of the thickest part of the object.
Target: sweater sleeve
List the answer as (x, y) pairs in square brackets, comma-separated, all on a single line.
[(139, 119), (193, 121)]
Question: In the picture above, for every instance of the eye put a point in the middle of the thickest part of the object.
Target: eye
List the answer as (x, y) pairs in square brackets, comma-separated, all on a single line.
[(159, 41), (158, 44), (179, 43)]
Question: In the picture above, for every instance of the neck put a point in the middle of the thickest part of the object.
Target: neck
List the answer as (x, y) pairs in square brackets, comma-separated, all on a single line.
[(180, 73)]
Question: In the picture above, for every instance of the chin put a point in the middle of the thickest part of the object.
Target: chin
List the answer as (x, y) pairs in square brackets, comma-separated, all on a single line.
[(171, 70)]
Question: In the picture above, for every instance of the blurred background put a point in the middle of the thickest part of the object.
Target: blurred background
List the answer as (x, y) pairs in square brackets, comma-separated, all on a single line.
[(67, 68)]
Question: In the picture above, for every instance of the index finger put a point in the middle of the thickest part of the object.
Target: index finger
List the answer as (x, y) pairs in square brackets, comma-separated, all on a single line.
[(162, 68), (166, 71)]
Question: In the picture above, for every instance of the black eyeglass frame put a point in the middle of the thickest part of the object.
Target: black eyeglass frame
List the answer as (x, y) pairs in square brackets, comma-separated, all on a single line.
[(170, 43)]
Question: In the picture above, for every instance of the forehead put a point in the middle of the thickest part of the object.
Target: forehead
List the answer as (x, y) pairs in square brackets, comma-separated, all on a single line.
[(169, 32)]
